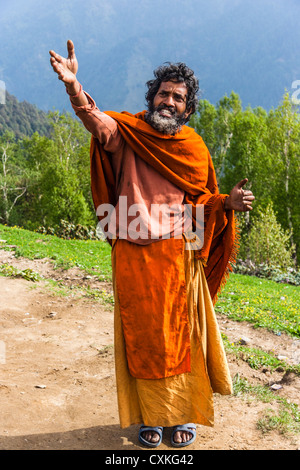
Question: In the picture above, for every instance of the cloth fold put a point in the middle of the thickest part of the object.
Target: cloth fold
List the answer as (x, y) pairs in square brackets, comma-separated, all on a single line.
[(182, 398)]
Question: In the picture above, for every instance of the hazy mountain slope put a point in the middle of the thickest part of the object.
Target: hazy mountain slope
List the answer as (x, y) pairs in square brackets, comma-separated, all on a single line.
[(22, 118), (249, 46)]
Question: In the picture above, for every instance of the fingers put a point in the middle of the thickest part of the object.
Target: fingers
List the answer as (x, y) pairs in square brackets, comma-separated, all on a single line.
[(247, 201), (57, 68), (55, 56), (55, 64), (242, 183), (71, 49)]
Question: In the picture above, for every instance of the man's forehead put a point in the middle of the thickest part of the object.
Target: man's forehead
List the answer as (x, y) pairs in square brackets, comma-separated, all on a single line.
[(179, 87)]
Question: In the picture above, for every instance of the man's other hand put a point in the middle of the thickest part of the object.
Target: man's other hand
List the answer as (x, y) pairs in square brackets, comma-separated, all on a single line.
[(240, 199)]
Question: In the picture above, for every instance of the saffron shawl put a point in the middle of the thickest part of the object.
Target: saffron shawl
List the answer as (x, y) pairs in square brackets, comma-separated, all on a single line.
[(184, 160)]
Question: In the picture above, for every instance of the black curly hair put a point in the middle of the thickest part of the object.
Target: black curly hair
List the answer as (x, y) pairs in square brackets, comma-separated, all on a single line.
[(179, 73)]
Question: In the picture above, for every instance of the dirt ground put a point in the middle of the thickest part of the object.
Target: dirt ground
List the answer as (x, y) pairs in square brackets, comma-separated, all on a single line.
[(57, 382)]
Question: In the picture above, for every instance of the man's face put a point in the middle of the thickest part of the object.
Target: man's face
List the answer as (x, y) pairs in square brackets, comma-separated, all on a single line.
[(168, 111), (171, 96)]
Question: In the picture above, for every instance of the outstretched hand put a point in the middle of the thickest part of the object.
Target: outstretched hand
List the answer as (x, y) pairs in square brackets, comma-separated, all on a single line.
[(240, 199), (66, 68)]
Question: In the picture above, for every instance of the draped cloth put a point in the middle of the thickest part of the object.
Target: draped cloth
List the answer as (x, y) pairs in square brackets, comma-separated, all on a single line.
[(182, 398), (150, 282), (184, 160)]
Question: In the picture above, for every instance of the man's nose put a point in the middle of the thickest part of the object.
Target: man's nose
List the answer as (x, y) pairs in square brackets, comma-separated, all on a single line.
[(169, 101)]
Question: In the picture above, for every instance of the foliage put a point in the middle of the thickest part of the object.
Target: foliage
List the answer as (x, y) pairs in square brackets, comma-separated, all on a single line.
[(11, 271), (286, 420), (262, 270), (258, 358), (13, 176), (266, 242), (69, 231), (22, 118), (47, 179), (262, 302)]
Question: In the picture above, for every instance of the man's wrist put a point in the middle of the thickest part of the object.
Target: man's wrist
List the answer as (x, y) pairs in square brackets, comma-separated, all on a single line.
[(227, 203), (73, 88)]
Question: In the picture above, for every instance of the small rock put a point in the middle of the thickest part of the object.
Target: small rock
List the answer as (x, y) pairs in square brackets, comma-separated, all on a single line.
[(282, 358), (276, 387), (244, 340), (40, 386), (51, 315)]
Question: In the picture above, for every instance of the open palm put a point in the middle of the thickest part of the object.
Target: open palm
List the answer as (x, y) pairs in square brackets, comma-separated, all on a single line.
[(66, 68)]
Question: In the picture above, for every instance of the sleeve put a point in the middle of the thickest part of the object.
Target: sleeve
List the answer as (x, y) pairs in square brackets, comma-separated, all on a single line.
[(100, 125)]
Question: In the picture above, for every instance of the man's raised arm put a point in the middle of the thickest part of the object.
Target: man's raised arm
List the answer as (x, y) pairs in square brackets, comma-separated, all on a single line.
[(66, 70)]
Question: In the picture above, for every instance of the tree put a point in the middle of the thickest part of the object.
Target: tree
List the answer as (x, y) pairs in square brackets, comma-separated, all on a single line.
[(247, 155), (267, 242), (13, 177), (60, 186), (215, 125), (284, 146)]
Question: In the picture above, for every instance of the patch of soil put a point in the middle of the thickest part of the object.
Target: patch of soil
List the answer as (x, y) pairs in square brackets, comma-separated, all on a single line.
[(57, 380)]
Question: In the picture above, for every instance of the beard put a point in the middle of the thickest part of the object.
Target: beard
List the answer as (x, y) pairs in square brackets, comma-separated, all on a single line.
[(168, 125)]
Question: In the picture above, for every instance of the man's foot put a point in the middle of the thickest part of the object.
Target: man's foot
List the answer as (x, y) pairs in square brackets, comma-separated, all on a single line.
[(183, 435), (150, 436)]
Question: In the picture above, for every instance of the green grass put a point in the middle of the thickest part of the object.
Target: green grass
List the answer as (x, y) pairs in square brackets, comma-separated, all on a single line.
[(11, 271), (285, 419), (262, 302), (258, 358), (93, 257)]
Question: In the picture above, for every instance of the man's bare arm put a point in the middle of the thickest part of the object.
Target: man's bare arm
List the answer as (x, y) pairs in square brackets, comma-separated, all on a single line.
[(66, 69)]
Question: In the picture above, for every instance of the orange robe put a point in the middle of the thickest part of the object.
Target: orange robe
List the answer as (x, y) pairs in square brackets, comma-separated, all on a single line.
[(181, 398), (155, 320)]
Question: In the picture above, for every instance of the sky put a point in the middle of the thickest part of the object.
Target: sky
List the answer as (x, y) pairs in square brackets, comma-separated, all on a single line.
[(249, 46)]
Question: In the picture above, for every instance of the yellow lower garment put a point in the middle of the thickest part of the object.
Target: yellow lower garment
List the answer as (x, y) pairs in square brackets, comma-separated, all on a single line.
[(185, 397)]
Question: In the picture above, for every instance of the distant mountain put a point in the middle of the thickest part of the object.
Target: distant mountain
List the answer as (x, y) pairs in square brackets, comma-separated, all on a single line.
[(249, 46), (22, 118)]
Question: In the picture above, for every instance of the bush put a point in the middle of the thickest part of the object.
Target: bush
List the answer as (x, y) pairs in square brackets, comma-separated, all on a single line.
[(275, 273), (68, 231), (266, 244)]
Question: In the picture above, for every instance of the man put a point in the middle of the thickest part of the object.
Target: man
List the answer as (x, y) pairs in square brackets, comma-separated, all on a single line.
[(168, 350)]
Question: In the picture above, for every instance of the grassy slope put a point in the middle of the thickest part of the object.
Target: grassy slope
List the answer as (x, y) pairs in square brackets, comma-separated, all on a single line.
[(88, 255)]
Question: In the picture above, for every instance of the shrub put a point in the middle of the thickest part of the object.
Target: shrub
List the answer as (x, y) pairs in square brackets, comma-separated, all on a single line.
[(68, 231), (267, 244)]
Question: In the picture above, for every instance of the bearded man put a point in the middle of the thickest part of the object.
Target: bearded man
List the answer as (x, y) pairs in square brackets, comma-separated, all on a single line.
[(169, 354)]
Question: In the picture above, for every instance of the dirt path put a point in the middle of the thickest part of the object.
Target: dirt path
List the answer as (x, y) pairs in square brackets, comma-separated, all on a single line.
[(57, 383)]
